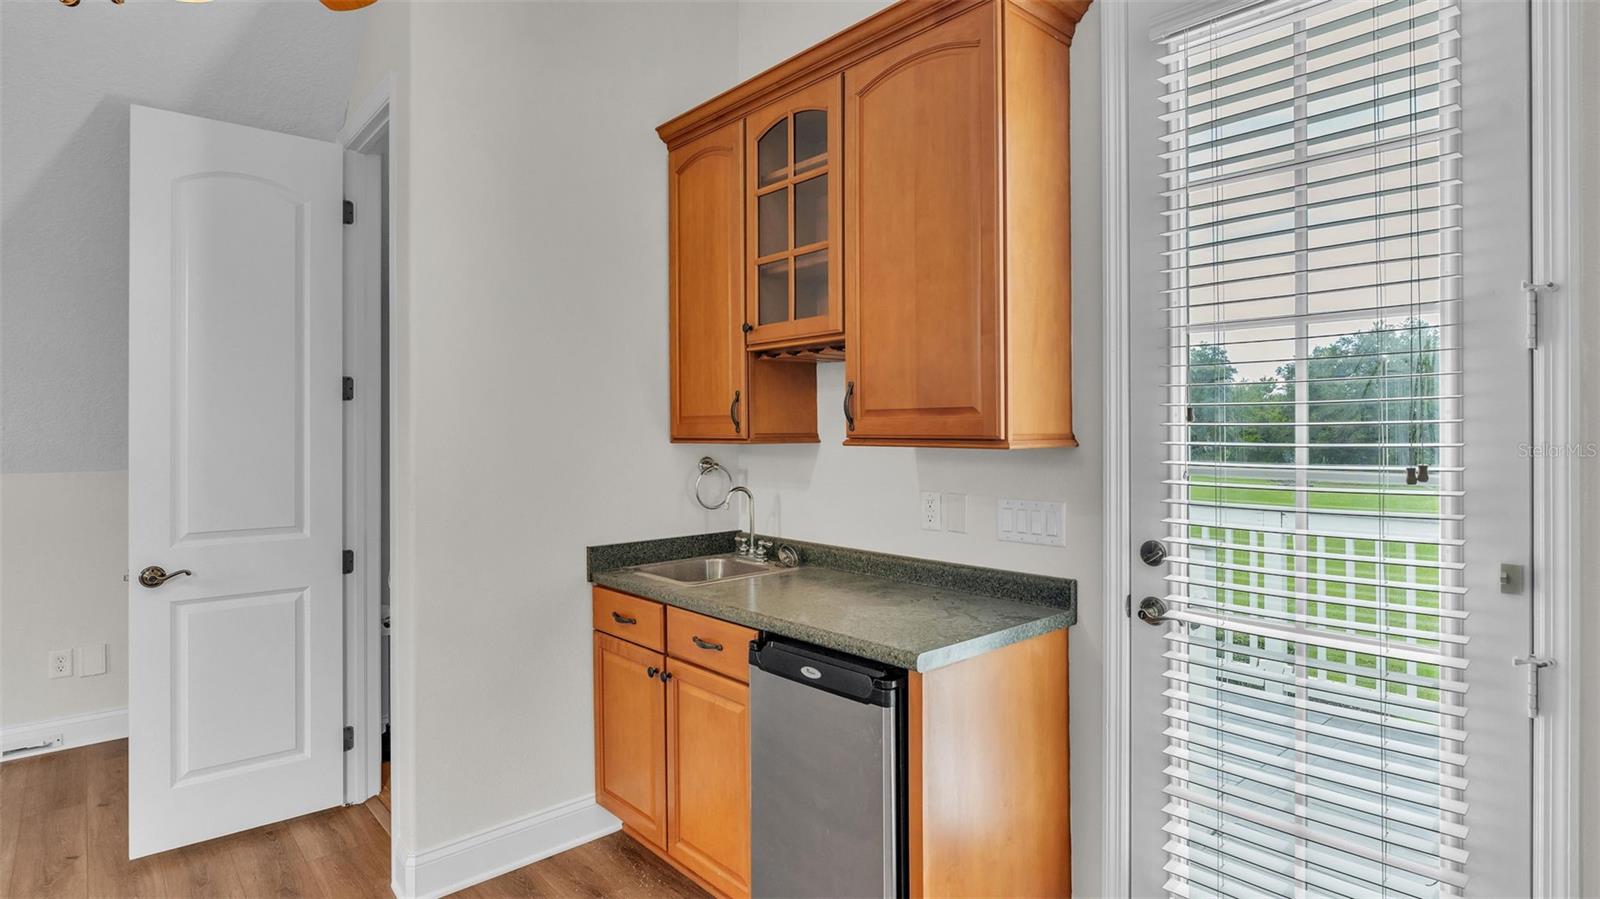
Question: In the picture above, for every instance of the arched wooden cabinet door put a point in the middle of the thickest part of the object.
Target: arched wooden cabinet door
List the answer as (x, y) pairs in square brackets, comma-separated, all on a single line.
[(922, 182), (793, 209), (709, 375)]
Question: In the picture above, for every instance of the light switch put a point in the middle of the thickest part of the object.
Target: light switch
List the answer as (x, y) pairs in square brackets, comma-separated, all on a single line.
[(1030, 521), (91, 660), (955, 513)]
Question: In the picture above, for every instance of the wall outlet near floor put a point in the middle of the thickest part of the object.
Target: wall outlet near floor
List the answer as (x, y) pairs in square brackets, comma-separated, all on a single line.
[(932, 517), (60, 663), (1027, 521), (91, 660)]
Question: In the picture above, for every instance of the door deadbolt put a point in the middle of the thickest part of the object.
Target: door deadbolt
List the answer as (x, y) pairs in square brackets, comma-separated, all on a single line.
[(155, 576), (1153, 610), (1152, 552)]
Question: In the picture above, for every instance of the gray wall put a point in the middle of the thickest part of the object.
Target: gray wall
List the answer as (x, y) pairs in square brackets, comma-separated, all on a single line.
[(67, 77)]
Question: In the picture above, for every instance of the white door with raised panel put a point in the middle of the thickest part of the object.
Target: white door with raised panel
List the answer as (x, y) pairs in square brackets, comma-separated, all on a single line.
[(1330, 391), (235, 699)]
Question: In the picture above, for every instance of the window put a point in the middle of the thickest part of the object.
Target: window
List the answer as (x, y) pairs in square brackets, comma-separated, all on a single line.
[(1316, 678)]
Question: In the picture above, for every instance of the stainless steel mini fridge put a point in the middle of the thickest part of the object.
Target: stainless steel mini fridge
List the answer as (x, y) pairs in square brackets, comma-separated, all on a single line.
[(827, 774)]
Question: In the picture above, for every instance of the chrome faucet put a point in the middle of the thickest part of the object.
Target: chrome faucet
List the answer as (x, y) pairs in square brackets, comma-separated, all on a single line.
[(748, 545)]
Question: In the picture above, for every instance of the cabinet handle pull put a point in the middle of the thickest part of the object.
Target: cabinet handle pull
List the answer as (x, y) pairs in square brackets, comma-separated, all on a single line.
[(666, 676), (849, 405), (651, 672), (620, 618), (733, 411), (707, 644)]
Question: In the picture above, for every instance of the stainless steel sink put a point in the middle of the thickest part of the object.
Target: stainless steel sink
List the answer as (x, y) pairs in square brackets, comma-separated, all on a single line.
[(708, 569)]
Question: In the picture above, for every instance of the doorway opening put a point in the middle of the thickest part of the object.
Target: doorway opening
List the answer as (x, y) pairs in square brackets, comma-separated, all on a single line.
[(367, 298)]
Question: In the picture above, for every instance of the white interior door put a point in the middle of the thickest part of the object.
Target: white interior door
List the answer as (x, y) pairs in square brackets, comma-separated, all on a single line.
[(234, 314), (1330, 406)]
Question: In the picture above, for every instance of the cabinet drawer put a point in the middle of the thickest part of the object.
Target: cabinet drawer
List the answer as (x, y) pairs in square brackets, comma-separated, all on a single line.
[(711, 643), (629, 617)]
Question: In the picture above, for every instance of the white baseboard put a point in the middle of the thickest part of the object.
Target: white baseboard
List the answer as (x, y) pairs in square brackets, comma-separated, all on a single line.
[(474, 859), (63, 733)]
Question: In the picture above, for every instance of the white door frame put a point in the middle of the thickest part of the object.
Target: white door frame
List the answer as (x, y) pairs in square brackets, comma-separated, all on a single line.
[(363, 472), (367, 124), (1558, 537)]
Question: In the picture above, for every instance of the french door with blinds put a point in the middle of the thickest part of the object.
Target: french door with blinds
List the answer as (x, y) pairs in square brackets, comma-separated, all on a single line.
[(1330, 406)]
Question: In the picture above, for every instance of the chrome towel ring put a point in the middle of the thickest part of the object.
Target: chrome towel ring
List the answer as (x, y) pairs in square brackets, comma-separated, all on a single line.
[(707, 466)]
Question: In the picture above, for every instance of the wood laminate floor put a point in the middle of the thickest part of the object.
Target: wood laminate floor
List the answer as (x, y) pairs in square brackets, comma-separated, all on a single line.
[(64, 832)]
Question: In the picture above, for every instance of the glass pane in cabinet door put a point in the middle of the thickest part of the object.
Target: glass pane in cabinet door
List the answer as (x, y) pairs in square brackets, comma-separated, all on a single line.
[(811, 284), (772, 214), (772, 284), (772, 154), (811, 211), (810, 139)]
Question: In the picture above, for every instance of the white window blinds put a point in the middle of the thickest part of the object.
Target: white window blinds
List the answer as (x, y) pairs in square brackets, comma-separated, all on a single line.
[(1315, 667)]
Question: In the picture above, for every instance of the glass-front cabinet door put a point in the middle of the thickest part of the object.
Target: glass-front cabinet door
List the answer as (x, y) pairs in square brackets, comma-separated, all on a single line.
[(794, 212)]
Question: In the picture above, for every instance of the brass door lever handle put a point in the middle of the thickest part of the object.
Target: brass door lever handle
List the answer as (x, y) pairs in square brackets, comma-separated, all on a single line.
[(155, 575)]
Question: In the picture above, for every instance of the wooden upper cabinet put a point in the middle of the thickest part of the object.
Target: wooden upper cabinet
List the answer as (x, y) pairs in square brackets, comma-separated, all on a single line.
[(921, 197), (793, 219), (719, 394), (946, 252), (706, 235)]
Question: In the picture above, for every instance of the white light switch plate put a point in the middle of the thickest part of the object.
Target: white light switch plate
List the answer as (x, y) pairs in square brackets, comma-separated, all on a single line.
[(1028, 521), (955, 513), (92, 660)]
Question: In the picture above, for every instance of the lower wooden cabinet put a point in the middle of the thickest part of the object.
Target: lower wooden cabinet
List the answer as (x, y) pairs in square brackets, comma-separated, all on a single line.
[(630, 736), (987, 787), (708, 776), (672, 740)]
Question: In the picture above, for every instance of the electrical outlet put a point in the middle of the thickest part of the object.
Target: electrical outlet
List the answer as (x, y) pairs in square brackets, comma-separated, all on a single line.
[(60, 663), (932, 517), (1026, 521), (955, 512), (91, 660)]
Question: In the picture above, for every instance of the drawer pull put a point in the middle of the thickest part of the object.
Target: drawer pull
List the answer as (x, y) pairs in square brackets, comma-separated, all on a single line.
[(651, 672), (707, 644), (620, 618)]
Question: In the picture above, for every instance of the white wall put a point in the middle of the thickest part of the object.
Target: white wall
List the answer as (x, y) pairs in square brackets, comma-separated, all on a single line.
[(537, 361), (534, 344), (1589, 202), (870, 496), (67, 77)]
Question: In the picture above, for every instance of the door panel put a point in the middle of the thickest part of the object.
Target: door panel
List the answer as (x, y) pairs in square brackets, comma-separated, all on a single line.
[(1275, 442), (705, 196), (920, 226), (630, 715), (234, 457), (708, 776)]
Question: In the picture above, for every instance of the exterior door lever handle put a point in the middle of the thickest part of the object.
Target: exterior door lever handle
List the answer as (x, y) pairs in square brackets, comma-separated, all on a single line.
[(154, 576)]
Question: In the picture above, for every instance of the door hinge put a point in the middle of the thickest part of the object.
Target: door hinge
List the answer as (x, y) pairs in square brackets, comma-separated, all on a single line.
[(1535, 664), (349, 212), (1127, 605), (349, 388), (349, 738), (1530, 292), (349, 561)]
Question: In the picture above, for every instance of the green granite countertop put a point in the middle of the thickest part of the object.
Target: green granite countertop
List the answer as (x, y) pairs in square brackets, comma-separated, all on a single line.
[(893, 620)]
